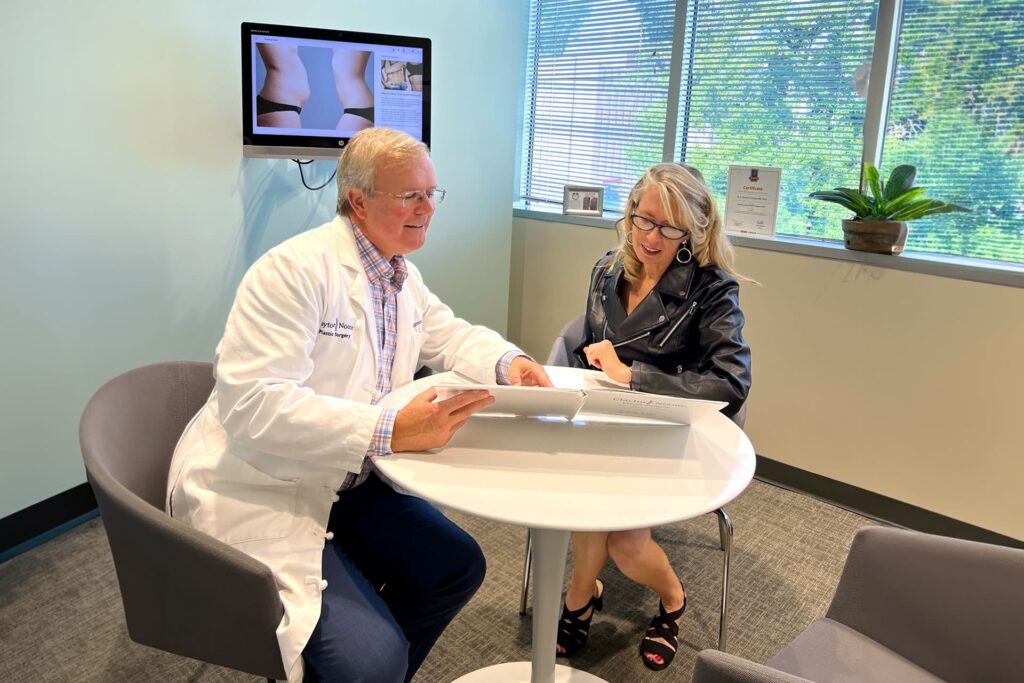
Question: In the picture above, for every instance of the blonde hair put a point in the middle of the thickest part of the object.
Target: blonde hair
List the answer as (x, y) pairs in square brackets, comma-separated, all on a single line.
[(690, 206), (368, 151)]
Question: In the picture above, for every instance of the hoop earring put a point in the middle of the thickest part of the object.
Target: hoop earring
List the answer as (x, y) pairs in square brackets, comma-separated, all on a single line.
[(629, 238), (689, 255)]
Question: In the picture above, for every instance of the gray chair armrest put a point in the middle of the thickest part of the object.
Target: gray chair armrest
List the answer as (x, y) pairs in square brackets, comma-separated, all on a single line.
[(950, 606), (719, 667), (187, 593)]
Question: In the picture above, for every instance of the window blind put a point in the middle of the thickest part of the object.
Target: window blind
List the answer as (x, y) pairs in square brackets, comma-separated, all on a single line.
[(597, 73), (784, 83), (957, 113), (778, 83)]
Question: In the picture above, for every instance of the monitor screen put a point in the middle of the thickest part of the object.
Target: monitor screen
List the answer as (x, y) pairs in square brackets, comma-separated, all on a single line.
[(307, 91)]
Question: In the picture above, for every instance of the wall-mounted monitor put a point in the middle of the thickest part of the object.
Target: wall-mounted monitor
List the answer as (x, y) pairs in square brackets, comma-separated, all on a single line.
[(307, 91)]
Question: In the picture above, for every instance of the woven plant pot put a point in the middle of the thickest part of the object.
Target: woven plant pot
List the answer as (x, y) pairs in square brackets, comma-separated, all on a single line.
[(879, 237)]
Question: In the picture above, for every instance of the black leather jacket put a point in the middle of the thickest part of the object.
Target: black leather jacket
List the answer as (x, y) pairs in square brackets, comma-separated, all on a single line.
[(684, 339)]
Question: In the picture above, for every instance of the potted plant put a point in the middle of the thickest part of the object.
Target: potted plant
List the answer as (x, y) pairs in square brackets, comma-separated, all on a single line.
[(880, 220)]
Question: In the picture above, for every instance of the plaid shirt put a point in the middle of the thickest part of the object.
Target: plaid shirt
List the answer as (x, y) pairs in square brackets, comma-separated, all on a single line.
[(386, 280)]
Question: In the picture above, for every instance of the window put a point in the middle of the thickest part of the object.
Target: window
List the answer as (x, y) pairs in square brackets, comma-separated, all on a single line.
[(957, 113), (783, 83), (598, 76), (777, 83)]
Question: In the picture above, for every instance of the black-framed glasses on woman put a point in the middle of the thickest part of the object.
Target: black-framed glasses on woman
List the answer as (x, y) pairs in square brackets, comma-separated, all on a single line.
[(435, 196), (667, 231)]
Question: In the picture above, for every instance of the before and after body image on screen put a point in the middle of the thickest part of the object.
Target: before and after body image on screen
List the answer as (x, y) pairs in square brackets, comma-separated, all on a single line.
[(315, 87)]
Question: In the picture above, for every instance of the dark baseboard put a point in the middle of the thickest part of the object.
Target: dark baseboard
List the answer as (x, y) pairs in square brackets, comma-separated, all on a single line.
[(38, 522), (874, 505)]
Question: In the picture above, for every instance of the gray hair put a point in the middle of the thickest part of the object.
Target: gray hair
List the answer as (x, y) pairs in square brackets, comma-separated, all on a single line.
[(368, 150)]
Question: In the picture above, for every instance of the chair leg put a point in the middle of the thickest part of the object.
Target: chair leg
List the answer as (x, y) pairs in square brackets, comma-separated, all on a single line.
[(527, 561), (725, 539), (724, 528)]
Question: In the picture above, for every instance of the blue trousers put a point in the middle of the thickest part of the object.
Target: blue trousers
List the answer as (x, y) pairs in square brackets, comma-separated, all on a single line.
[(398, 571)]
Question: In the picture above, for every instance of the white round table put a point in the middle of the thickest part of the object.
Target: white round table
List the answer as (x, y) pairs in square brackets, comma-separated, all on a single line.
[(555, 476)]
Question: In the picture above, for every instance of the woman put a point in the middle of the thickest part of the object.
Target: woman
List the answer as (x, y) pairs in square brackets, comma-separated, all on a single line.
[(663, 316)]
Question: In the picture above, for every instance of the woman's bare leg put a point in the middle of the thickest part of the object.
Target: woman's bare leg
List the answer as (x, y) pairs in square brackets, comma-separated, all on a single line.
[(589, 555), (642, 560), (350, 83), (286, 83)]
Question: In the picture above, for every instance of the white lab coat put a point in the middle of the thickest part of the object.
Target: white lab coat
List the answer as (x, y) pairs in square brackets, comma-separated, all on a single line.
[(289, 416)]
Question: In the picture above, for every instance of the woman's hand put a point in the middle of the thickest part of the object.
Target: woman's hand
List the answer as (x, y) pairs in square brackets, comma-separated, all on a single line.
[(603, 357), (423, 424)]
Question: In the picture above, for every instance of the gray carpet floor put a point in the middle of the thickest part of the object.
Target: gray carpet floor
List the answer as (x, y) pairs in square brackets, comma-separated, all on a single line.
[(61, 617)]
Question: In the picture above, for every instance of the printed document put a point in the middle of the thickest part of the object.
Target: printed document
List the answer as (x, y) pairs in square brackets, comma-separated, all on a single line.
[(596, 399)]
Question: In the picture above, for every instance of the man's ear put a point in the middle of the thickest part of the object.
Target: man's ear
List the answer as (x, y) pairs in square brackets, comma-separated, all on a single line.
[(357, 200)]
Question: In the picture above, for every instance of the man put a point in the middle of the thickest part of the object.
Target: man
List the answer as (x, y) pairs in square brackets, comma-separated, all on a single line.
[(279, 462)]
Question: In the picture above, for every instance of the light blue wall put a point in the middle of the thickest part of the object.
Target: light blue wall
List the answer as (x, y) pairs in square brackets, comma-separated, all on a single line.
[(129, 215)]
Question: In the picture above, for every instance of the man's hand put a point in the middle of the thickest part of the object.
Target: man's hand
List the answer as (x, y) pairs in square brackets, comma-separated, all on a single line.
[(603, 357), (525, 372), (423, 424)]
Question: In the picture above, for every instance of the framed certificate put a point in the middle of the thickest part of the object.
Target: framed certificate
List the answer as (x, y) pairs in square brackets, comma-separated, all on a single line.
[(752, 200), (583, 200)]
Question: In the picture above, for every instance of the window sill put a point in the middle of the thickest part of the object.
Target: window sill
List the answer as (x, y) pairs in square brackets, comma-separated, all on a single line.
[(941, 265)]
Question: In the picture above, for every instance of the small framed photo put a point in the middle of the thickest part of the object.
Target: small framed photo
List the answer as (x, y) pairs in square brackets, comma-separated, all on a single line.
[(583, 200)]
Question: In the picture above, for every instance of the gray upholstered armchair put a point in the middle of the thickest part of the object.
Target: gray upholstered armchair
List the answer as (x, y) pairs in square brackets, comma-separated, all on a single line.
[(909, 607), (183, 591)]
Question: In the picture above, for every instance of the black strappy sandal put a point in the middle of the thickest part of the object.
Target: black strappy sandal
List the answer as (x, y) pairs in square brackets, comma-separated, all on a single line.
[(664, 625), (572, 629)]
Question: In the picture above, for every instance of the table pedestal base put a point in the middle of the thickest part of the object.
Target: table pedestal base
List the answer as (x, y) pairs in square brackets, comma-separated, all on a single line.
[(549, 548), (519, 672)]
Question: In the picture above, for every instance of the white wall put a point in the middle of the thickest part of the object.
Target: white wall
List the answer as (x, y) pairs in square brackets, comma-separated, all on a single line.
[(904, 384), (129, 215)]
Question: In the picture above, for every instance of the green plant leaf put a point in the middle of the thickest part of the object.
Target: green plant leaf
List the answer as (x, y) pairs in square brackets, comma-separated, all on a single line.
[(904, 199), (925, 207), (913, 210), (835, 198), (944, 207), (871, 175), (854, 200), (863, 205), (901, 181)]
